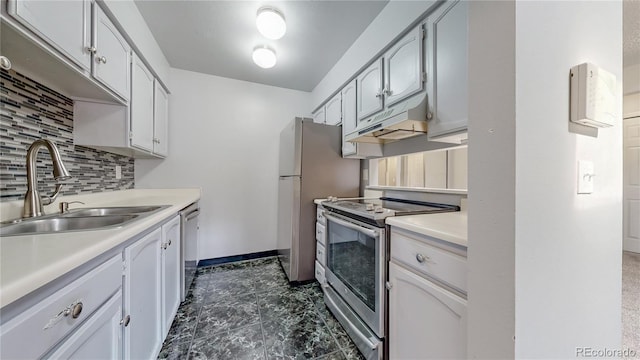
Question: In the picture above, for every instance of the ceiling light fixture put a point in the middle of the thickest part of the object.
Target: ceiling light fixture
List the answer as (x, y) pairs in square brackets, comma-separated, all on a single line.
[(264, 57), (270, 23)]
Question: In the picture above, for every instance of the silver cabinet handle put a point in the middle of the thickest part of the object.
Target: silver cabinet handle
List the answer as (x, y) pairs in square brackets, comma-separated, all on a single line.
[(91, 49), (169, 242), (5, 63), (387, 91), (76, 310), (102, 59), (421, 258), (126, 320)]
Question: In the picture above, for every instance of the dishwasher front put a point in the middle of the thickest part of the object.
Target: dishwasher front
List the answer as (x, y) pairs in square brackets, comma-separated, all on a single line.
[(189, 227)]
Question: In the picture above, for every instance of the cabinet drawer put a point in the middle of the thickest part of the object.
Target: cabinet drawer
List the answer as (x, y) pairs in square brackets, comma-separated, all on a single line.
[(320, 234), (320, 216), (30, 335), (437, 263), (320, 273), (321, 255)]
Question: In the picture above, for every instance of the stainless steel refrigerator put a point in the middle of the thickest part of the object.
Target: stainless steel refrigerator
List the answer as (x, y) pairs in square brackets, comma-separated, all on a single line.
[(311, 167)]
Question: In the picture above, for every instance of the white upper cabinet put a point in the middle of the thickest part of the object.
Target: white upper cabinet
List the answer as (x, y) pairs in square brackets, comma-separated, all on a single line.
[(403, 68), (160, 121), (333, 110), (69, 31), (369, 94), (112, 55), (349, 117), (447, 45), (141, 104), (319, 116)]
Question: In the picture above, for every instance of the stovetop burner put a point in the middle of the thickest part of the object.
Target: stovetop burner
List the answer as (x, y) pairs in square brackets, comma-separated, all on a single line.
[(377, 209)]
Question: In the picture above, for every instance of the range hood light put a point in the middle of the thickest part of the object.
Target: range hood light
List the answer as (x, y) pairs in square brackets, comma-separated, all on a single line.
[(264, 57)]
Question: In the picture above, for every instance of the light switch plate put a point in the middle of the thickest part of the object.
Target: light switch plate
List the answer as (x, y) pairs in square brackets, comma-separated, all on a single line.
[(586, 177), (118, 172)]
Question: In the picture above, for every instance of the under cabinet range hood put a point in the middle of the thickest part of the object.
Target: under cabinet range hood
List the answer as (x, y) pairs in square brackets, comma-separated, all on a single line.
[(400, 121)]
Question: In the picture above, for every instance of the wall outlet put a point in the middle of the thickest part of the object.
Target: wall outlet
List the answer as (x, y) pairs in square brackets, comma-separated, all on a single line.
[(118, 172), (365, 175), (586, 177)]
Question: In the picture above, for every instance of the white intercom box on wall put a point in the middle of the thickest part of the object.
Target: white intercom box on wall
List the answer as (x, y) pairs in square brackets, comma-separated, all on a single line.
[(593, 96)]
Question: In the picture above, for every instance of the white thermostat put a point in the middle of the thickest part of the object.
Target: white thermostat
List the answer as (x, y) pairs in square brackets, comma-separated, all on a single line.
[(593, 99)]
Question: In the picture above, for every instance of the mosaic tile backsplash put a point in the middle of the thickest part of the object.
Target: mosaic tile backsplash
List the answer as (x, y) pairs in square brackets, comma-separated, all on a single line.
[(30, 111)]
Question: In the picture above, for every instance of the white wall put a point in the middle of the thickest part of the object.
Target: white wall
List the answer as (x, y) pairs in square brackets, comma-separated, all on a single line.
[(568, 246), (129, 17), (492, 163), (631, 83), (224, 138), (390, 22)]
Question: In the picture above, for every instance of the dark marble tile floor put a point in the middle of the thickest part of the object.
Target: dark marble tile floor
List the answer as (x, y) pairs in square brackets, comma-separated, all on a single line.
[(248, 310)]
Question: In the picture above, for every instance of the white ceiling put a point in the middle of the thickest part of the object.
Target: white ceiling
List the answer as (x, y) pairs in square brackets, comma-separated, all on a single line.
[(631, 32), (218, 37)]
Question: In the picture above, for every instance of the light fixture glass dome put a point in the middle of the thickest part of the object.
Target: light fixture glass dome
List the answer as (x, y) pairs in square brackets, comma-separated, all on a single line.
[(264, 57), (271, 23)]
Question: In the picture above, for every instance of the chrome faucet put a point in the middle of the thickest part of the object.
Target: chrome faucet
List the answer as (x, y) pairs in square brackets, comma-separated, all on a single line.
[(32, 200)]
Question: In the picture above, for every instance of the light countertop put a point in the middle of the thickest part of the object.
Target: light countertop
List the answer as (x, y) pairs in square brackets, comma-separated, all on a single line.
[(28, 262), (451, 227)]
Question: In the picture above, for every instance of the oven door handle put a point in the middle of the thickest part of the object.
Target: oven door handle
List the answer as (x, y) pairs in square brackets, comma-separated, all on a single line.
[(372, 233)]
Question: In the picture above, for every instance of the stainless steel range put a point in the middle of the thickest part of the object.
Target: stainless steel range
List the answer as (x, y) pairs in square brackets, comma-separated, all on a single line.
[(357, 262)]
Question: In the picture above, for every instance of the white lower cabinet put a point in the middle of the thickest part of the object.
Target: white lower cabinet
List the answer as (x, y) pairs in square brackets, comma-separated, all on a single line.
[(98, 338), (427, 297), (142, 297), (170, 273), (425, 321), (76, 309)]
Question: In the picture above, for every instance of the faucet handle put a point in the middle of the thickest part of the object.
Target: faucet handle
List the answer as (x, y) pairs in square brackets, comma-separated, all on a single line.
[(64, 205)]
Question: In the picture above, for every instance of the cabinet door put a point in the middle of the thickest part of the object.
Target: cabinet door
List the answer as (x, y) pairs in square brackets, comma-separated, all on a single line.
[(349, 118), (142, 297), (333, 110), (65, 25), (369, 94), (141, 105), (425, 321), (100, 337), (160, 121), (403, 68), (112, 57), (447, 44), (319, 116), (170, 272)]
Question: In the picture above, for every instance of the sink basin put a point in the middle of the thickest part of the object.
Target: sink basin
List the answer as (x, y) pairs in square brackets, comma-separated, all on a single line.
[(106, 211), (60, 223)]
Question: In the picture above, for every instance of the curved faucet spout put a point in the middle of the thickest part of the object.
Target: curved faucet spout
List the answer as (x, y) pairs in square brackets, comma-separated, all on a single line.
[(32, 200)]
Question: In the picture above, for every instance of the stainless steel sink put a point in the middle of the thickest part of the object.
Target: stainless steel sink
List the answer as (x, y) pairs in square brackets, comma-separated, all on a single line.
[(106, 211), (49, 224)]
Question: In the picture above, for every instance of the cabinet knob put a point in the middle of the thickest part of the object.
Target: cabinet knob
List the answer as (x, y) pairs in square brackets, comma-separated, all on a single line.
[(5, 63), (126, 320), (102, 59), (76, 310), (169, 242), (388, 285), (421, 258), (91, 49)]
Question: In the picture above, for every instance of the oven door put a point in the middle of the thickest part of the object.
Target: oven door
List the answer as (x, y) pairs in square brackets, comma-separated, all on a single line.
[(356, 267)]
